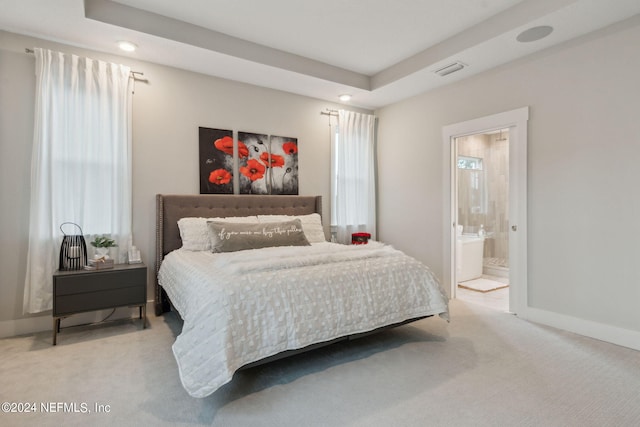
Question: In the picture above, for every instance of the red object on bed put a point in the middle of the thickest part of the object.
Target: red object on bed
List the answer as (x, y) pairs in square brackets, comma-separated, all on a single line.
[(360, 238)]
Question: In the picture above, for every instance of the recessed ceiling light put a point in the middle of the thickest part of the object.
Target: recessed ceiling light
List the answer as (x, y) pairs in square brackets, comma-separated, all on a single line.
[(534, 34), (345, 97), (127, 46)]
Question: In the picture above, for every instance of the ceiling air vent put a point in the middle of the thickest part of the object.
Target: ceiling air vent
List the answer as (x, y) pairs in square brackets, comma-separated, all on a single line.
[(448, 69)]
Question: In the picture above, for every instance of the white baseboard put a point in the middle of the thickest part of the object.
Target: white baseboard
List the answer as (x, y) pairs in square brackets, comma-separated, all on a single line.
[(12, 328), (600, 331), (31, 325)]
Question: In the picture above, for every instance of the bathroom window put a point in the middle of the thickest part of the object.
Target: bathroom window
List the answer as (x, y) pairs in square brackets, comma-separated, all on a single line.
[(471, 186), (473, 163)]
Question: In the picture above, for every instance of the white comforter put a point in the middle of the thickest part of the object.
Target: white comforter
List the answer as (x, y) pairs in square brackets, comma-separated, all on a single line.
[(241, 307)]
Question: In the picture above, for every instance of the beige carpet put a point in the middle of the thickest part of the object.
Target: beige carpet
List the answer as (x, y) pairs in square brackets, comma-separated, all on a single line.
[(483, 285), (485, 368)]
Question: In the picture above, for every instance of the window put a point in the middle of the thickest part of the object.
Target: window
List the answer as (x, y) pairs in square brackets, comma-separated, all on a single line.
[(353, 180), (473, 163), (81, 164)]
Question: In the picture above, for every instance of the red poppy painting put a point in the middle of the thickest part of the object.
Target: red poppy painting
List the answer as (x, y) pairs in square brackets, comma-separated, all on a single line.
[(216, 161), (284, 164), (265, 164), (253, 176), (271, 166)]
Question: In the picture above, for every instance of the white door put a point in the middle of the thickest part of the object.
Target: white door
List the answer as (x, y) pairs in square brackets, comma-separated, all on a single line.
[(516, 121)]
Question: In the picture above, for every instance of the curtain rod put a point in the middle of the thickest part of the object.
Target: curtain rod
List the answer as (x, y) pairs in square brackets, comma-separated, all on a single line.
[(329, 112), (135, 73)]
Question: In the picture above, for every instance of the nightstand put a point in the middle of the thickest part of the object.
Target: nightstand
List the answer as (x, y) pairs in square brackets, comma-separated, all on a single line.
[(79, 291)]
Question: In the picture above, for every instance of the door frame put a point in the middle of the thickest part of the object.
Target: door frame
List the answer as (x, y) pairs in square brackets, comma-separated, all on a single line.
[(516, 120)]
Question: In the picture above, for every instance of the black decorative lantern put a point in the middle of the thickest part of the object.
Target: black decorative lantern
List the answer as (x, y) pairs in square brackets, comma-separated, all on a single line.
[(73, 251)]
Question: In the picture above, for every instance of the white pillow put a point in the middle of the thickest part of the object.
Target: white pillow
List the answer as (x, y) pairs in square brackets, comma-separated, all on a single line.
[(311, 224), (195, 234)]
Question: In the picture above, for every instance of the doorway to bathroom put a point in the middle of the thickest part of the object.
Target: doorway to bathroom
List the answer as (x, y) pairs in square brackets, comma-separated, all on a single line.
[(482, 230), (502, 231)]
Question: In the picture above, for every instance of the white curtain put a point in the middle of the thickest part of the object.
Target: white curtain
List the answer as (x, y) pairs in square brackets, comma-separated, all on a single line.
[(353, 176), (81, 162)]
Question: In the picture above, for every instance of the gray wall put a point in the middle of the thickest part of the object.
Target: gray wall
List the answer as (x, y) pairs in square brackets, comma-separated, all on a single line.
[(17, 87), (583, 152), (166, 114)]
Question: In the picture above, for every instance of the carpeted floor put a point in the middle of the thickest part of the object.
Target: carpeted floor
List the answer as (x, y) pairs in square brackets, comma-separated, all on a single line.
[(485, 368)]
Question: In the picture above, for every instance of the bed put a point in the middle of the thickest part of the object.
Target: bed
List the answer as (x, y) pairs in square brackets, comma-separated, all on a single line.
[(243, 306)]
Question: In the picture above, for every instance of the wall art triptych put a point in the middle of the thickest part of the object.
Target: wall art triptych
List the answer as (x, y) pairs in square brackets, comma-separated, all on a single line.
[(259, 163)]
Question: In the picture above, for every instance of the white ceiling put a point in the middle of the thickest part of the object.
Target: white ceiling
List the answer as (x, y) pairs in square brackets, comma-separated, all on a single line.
[(379, 51)]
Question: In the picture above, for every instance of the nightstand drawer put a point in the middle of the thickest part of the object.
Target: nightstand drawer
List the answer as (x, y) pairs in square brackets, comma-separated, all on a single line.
[(89, 301), (99, 281)]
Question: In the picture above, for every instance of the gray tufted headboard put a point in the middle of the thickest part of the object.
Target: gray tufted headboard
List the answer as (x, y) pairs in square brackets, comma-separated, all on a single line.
[(170, 208)]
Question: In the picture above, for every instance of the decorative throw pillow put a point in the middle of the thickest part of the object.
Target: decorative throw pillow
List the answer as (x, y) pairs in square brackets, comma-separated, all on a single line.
[(228, 237), (311, 224), (195, 234)]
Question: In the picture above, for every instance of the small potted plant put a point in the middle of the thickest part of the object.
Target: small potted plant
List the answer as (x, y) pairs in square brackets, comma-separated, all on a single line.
[(102, 245)]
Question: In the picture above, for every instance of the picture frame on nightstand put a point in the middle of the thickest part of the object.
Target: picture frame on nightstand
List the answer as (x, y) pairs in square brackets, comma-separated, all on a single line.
[(133, 256)]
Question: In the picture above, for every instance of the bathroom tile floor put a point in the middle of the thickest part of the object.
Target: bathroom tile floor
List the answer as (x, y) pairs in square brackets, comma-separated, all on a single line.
[(497, 300)]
